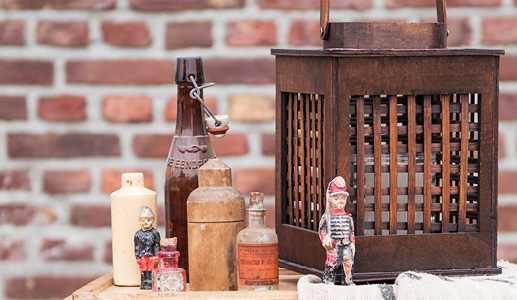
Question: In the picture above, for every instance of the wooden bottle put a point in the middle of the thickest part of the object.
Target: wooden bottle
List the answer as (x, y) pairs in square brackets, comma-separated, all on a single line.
[(190, 149), (126, 204), (215, 217)]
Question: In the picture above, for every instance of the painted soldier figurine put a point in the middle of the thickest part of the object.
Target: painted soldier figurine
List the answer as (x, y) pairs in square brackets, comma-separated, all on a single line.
[(147, 246), (337, 233)]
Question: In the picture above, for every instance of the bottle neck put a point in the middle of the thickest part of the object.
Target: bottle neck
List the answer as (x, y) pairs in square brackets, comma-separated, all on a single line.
[(256, 219), (190, 117)]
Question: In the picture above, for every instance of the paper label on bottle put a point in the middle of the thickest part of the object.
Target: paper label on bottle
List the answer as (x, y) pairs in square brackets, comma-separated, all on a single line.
[(258, 264)]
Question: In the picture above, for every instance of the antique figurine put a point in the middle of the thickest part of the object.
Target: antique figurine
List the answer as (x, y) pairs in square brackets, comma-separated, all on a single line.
[(147, 246), (336, 232)]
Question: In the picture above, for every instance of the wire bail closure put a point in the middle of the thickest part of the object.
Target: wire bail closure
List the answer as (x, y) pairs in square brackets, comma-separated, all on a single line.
[(195, 94)]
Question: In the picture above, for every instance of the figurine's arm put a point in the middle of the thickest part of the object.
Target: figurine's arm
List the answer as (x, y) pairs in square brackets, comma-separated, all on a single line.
[(352, 236), (156, 244), (326, 240), (137, 247)]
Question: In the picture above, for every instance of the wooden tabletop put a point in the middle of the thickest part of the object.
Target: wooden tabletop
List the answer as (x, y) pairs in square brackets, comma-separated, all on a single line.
[(102, 288)]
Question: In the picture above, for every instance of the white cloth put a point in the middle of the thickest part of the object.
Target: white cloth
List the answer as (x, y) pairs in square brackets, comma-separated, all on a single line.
[(418, 286)]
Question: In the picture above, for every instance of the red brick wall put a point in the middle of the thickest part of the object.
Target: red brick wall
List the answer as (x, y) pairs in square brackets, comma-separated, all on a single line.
[(87, 93)]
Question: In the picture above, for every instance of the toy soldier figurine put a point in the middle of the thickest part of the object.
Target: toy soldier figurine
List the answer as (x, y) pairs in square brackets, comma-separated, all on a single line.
[(147, 246), (337, 233)]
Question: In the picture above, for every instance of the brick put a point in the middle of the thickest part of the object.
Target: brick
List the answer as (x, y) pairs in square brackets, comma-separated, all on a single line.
[(507, 252), (508, 68), (152, 145), (232, 144), (508, 106), (108, 253), (252, 108), (506, 182), (240, 70), (82, 4), (432, 3), (146, 71), (254, 180), (460, 32), (26, 72), (506, 217), (12, 33), (127, 109), (180, 35), (86, 215), (126, 34), (24, 214), (175, 5), (44, 286), (62, 145), (62, 108), (304, 33), (499, 31), (111, 178), (66, 181), (63, 33), (23, 4), (313, 4), (15, 180), (12, 250), (251, 33), (60, 249), (13, 108), (268, 144), (58, 4), (161, 214), (171, 110), (501, 146)]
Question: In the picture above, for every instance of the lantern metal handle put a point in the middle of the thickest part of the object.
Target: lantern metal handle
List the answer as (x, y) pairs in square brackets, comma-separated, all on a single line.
[(441, 10)]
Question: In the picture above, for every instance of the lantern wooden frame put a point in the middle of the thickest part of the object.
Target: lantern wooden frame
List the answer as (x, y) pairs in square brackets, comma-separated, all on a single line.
[(351, 112)]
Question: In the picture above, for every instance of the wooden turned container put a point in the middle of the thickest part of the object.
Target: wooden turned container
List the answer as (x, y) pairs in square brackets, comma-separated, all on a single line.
[(413, 130), (216, 215)]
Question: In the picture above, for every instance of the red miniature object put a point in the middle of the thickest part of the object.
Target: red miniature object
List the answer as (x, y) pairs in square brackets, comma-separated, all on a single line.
[(336, 233), (168, 277)]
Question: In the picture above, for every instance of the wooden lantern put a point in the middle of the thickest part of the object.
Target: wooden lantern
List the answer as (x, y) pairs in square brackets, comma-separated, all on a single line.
[(412, 126)]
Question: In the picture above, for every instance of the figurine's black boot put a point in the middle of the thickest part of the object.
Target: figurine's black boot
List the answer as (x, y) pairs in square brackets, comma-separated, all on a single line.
[(147, 283), (350, 282), (329, 275), (142, 280)]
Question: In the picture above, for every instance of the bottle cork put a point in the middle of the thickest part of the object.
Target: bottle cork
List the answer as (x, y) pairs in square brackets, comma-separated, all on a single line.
[(126, 204)]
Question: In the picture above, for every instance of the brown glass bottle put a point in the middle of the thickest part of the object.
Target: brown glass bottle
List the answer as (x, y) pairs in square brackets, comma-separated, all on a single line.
[(190, 149)]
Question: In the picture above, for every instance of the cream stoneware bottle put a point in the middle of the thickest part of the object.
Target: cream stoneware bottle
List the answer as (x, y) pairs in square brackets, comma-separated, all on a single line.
[(126, 204)]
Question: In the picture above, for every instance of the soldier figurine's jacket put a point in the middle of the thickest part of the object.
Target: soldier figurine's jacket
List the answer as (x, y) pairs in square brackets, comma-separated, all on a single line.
[(147, 246), (341, 228)]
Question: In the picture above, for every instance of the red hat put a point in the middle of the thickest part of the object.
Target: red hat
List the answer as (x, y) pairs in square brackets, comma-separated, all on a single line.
[(337, 186)]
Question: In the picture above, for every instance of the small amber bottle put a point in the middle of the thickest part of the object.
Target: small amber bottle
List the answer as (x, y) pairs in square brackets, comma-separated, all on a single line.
[(257, 250)]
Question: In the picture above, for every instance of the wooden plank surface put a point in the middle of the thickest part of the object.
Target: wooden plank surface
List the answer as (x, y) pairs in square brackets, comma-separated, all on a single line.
[(360, 166), (102, 288), (377, 165), (393, 164), (411, 165)]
